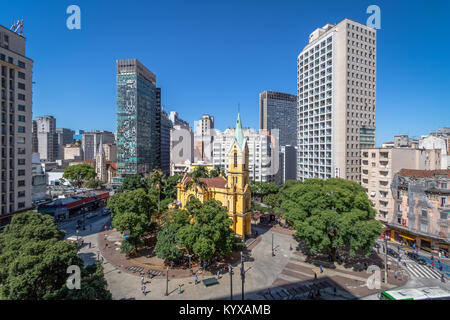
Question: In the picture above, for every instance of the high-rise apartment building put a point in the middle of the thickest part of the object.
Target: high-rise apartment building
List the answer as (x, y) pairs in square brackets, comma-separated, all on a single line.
[(204, 138), (166, 126), (278, 110), (90, 142), (64, 137), (47, 138), (137, 114), (336, 100), (16, 125), (261, 157)]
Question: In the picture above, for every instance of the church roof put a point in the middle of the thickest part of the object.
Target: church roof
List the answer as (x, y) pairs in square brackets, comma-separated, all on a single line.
[(217, 182)]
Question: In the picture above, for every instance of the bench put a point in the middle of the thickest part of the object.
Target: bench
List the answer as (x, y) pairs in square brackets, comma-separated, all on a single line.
[(210, 281)]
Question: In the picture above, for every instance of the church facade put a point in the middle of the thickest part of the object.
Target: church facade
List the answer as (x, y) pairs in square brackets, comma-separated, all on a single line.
[(233, 192)]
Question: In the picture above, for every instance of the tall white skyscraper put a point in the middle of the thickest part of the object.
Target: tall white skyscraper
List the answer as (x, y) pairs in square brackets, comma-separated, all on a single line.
[(16, 103), (336, 100)]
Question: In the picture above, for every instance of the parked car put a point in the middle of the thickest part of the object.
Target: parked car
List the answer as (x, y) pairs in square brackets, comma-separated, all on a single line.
[(106, 212)]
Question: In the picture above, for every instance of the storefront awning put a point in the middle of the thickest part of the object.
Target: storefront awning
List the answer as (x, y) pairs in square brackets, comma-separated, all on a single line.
[(403, 236)]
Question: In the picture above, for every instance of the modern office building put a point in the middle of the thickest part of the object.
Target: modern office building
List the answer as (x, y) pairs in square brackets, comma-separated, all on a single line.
[(47, 138), (336, 100), (34, 138), (16, 106), (166, 127), (90, 142), (288, 163), (137, 113), (110, 150), (278, 110), (64, 137)]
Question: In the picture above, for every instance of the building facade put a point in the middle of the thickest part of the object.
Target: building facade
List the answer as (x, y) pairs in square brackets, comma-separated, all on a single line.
[(421, 208), (336, 100), (72, 152), (234, 192), (137, 116), (204, 138), (262, 166), (379, 166), (440, 142), (16, 73), (64, 137), (278, 110), (90, 142), (166, 127), (47, 138)]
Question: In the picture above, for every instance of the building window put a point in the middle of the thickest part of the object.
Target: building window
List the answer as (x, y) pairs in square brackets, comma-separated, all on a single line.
[(21, 75), (21, 173), (21, 140), (21, 161), (424, 213), (21, 97), (21, 205), (21, 194), (444, 201), (21, 107), (235, 160), (21, 150), (21, 85), (21, 183), (21, 129)]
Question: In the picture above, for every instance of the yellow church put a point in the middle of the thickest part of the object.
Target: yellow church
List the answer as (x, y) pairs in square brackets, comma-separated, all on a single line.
[(234, 192)]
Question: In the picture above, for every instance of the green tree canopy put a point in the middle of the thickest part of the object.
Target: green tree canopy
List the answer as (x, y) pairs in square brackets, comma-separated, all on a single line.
[(261, 189), (34, 259), (132, 182), (330, 215), (167, 245), (79, 174)]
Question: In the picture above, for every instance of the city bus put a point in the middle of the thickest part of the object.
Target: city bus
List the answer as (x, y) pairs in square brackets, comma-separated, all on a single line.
[(425, 293)]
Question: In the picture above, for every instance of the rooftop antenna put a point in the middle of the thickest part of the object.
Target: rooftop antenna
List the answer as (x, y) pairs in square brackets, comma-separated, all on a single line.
[(17, 25)]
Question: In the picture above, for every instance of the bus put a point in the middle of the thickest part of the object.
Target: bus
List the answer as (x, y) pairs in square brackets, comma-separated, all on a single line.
[(425, 293)]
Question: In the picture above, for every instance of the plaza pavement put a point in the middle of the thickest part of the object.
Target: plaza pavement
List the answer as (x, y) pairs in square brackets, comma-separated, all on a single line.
[(286, 270)]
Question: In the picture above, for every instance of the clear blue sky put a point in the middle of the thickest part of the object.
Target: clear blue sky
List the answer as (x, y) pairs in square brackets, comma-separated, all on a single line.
[(209, 56)]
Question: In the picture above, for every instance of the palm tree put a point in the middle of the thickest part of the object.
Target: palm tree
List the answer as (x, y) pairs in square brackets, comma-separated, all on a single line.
[(155, 179), (195, 183)]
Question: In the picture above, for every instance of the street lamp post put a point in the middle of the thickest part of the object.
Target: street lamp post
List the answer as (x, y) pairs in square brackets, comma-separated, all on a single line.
[(273, 254), (167, 281), (385, 259), (230, 271), (242, 274)]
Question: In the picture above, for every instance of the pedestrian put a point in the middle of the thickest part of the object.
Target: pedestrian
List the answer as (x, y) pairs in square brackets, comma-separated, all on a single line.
[(195, 279), (321, 269), (218, 274), (142, 280), (89, 245), (144, 290), (179, 289), (442, 278), (315, 276), (432, 266), (395, 275)]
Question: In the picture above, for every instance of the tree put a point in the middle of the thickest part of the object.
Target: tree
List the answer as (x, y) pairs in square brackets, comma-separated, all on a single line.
[(79, 174), (154, 183), (136, 224), (169, 189), (94, 184), (331, 215), (132, 182), (137, 201), (272, 200), (167, 245), (217, 172), (200, 172), (34, 259), (261, 189), (209, 231)]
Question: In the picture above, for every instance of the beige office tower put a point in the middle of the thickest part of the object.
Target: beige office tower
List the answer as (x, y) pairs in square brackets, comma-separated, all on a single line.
[(336, 100), (16, 123)]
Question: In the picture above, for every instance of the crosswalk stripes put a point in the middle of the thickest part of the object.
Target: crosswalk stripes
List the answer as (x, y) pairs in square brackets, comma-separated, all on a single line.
[(420, 271)]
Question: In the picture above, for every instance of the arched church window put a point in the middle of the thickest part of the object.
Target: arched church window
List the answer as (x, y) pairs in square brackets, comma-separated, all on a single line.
[(235, 160)]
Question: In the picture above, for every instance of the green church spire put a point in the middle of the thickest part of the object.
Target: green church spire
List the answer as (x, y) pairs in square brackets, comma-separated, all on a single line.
[(238, 135)]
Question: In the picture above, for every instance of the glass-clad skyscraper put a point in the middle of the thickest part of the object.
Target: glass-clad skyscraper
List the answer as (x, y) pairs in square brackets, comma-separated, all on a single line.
[(137, 134)]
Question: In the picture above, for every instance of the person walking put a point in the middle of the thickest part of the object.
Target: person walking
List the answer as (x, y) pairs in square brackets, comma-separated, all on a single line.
[(195, 279), (142, 280), (144, 290), (179, 289), (218, 274), (315, 276), (321, 269), (395, 275)]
